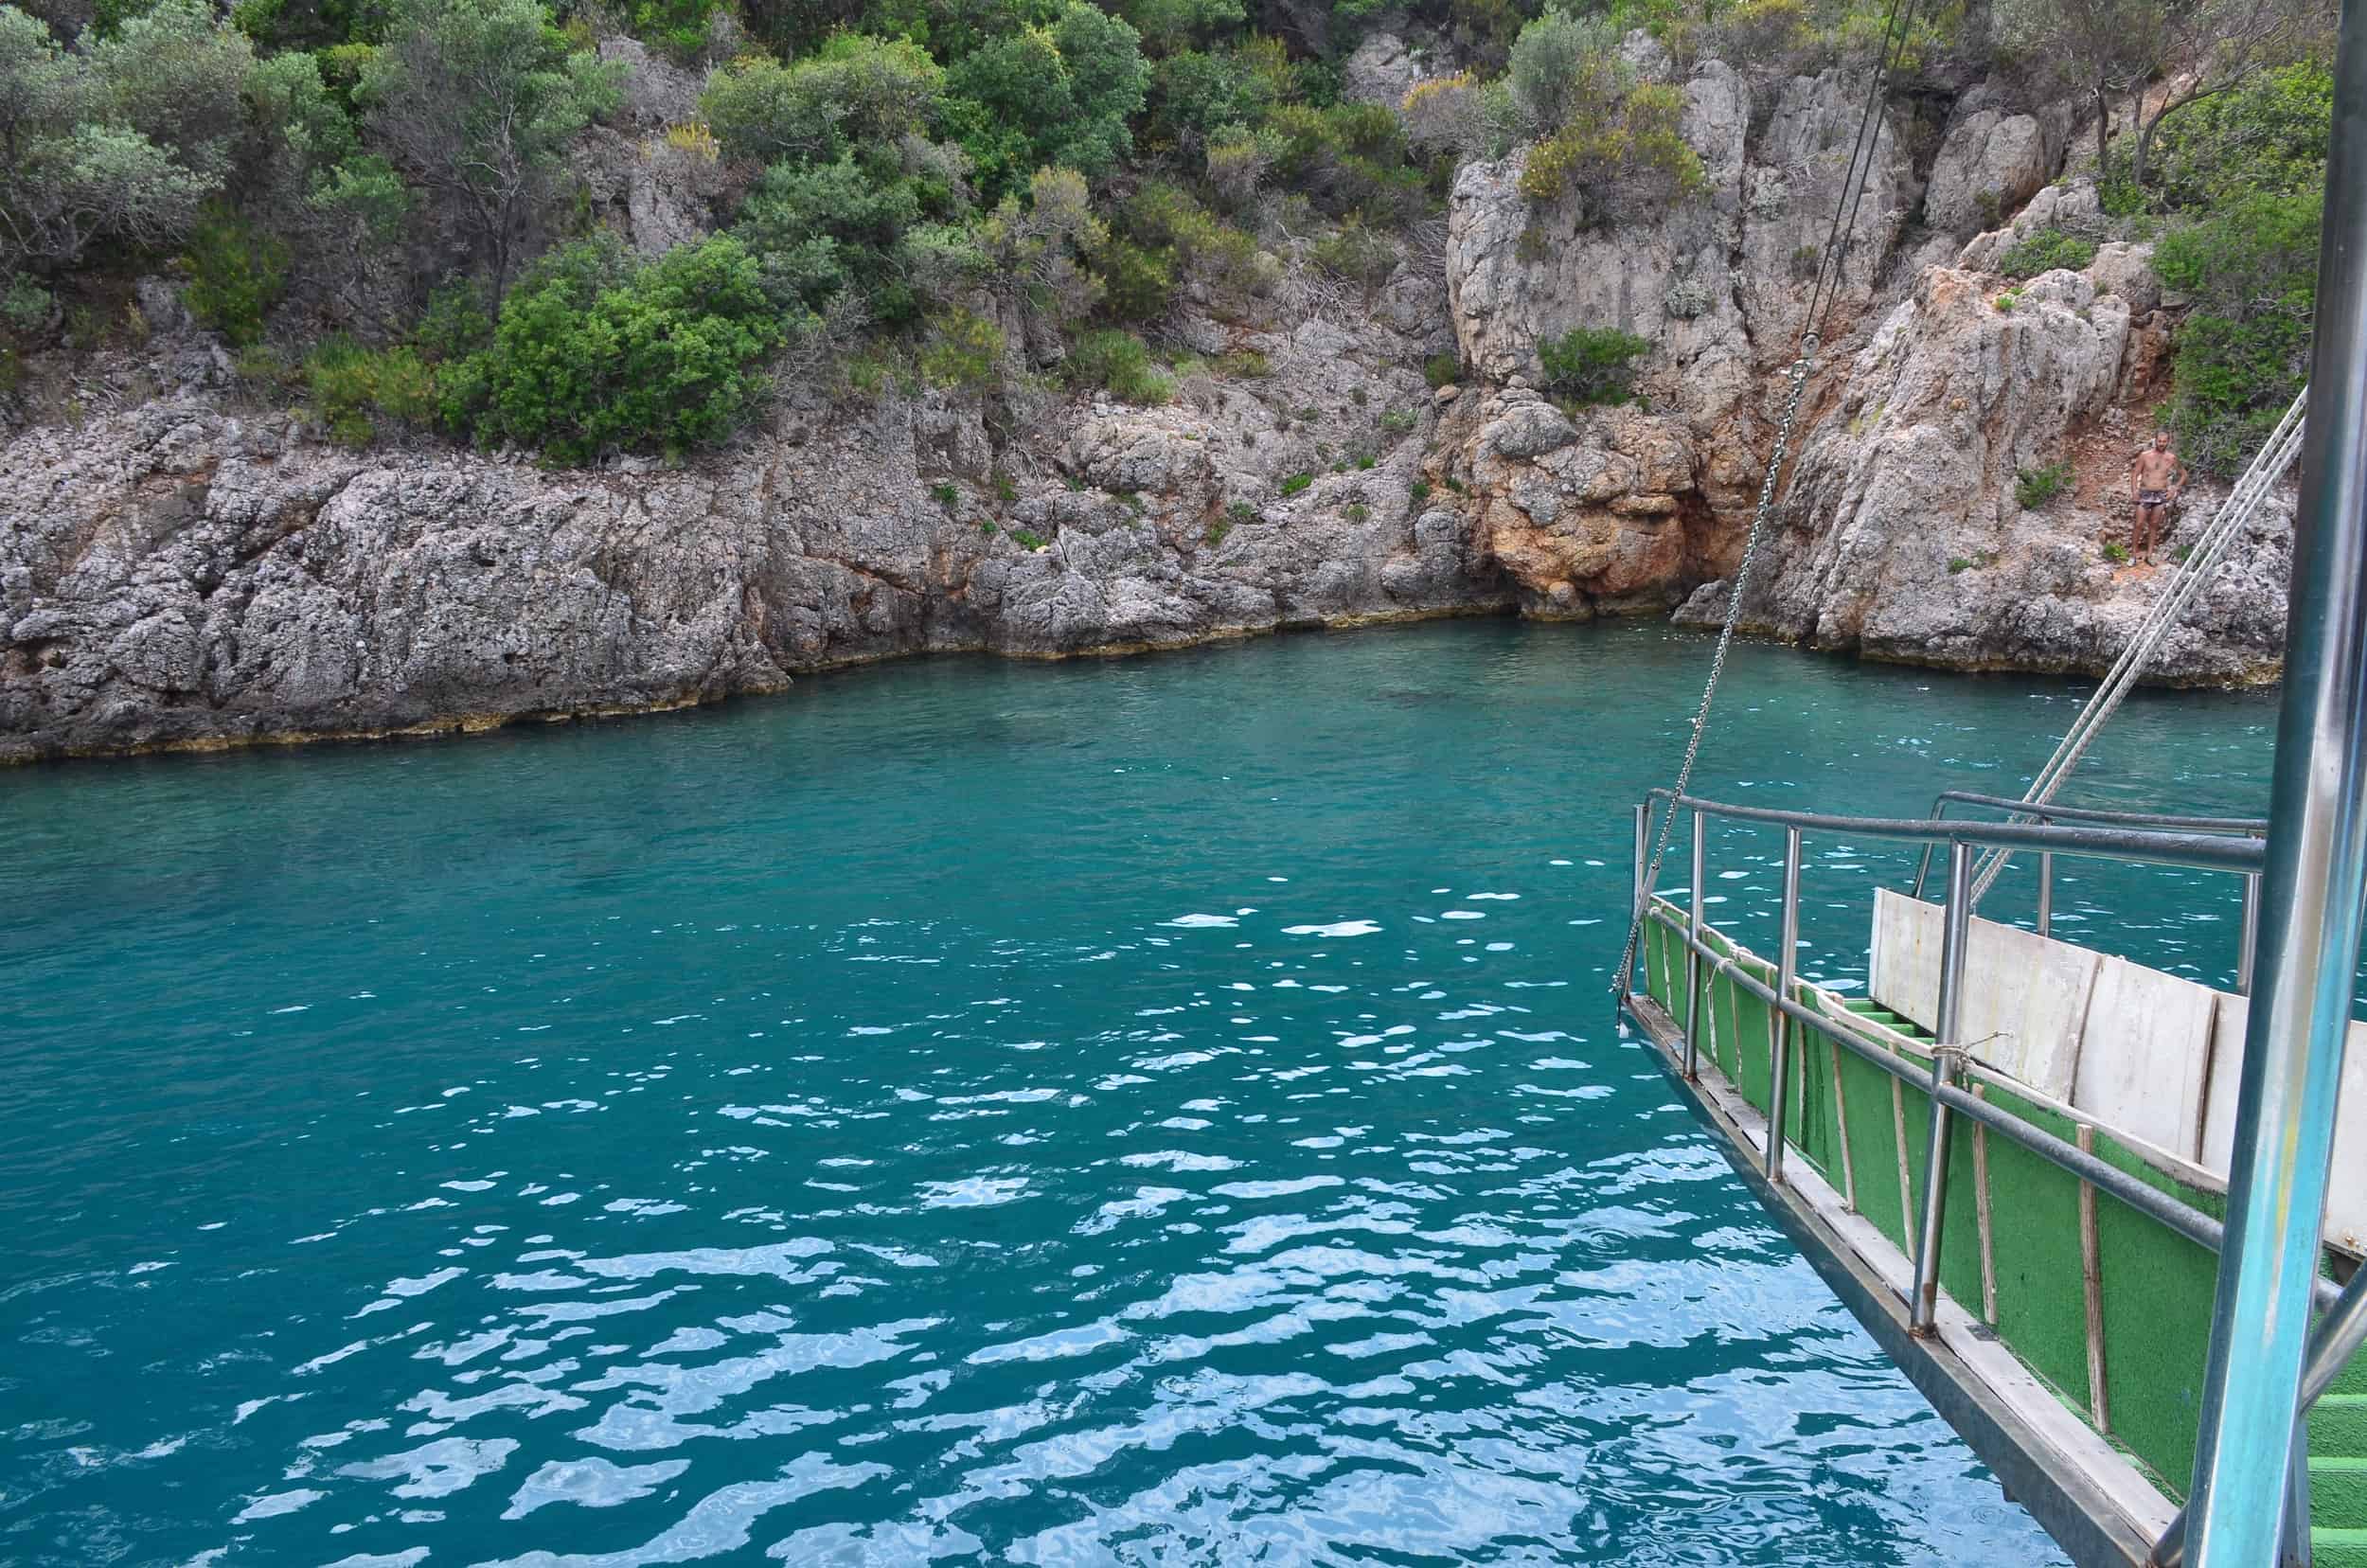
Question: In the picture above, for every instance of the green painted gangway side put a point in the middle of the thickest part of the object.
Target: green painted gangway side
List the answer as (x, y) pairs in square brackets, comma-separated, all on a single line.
[(2107, 1307)]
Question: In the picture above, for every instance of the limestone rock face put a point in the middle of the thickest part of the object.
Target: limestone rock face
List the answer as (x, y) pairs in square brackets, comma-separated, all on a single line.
[(179, 574), (1904, 537), (1380, 70), (1629, 511), (1991, 162)]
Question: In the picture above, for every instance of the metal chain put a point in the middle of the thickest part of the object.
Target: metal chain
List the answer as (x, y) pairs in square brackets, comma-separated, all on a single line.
[(1800, 368)]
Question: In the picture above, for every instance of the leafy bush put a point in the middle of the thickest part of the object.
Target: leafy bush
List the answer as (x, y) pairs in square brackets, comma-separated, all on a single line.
[(1039, 97), (236, 273), (1296, 482), (2045, 250), (2116, 552), (1117, 362), (852, 93), (1027, 540), (963, 351), (1357, 511), (1356, 254), (945, 494), (1613, 156), (590, 358), (2251, 272), (1441, 370), (2267, 136), (2034, 488), (352, 386), (1591, 364)]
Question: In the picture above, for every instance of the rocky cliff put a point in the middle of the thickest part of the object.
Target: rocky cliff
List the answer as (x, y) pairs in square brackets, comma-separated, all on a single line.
[(188, 569)]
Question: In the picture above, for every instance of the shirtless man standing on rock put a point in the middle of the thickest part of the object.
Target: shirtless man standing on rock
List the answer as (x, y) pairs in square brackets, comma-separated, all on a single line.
[(2158, 476)]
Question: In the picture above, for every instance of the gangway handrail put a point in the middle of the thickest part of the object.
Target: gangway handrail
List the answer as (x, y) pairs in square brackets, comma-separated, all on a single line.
[(2252, 827), (2055, 812), (2192, 851)]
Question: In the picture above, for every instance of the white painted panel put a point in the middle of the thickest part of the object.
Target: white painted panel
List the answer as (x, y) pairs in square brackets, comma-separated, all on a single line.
[(2346, 1181), (2145, 1055), (2227, 1066), (2025, 999), (1905, 959)]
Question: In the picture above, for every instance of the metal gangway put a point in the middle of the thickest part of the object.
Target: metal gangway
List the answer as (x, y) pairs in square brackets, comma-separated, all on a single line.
[(1953, 1085)]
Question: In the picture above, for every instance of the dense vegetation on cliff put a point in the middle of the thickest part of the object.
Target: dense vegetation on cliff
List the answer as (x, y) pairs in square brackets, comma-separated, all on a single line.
[(384, 205)]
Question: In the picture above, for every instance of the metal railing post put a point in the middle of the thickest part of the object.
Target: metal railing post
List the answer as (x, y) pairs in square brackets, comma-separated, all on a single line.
[(1643, 856), (2316, 873), (2046, 894), (1779, 1047), (2252, 935), (1693, 955), (1948, 1050)]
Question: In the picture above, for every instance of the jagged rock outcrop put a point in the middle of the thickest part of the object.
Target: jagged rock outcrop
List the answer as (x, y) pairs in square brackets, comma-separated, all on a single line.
[(1903, 536), (1603, 520), (1989, 164)]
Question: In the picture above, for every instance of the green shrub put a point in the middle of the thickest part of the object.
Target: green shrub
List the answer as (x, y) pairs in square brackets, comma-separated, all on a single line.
[(1441, 370), (1363, 461), (2044, 250), (945, 494), (2267, 136), (1418, 490), (2034, 488), (1216, 529), (1005, 488), (680, 25), (1356, 254), (1357, 511), (1591, 364), (591, 356), (1027, 540), (1244, 364), (26, 306), (1296, 482), (1958, 563), (2243, 350), (963, 351), (1398, 421), (1117, 362), (1136, 282), (237, 274), (353, 386), (2007, 301), (2116, 552), (1239, 512)]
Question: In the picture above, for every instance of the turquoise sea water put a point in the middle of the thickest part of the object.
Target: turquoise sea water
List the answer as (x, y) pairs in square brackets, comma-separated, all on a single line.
[(1152, 1110)]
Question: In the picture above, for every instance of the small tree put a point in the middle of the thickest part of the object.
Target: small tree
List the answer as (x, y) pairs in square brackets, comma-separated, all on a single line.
[(125, 142), (477, 101)]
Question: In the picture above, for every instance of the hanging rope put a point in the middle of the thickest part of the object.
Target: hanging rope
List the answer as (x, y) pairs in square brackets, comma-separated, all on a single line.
[(1821, 303)]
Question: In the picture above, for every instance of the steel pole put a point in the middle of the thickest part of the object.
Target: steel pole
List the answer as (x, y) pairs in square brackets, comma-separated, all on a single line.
[(1955, 933), (1779, 1043), (1642, 859), (1692, 956), (2309, 918), (2046, 894), (2251, 936)]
